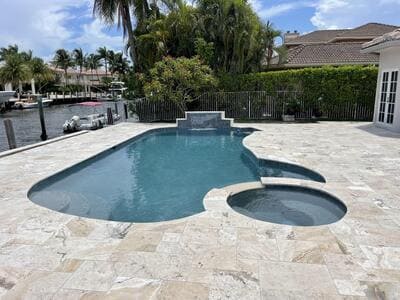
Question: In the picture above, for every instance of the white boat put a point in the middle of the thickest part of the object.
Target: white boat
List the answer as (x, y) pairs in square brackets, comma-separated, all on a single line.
[(94, 121), (29, 102), (117, 89), (4, 97)]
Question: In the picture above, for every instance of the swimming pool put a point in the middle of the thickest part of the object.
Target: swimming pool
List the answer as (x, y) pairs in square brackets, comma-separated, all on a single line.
[(289, 205), (161, 175)]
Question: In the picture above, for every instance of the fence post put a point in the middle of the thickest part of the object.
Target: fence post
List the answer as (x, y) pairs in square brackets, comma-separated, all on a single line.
[(110, 119), (126, 111), (12, 144), (249, 106), (43, 136), (116, 107)]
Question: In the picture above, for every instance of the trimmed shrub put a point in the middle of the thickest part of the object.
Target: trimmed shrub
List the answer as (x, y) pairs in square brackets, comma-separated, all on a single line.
[(329, 85)]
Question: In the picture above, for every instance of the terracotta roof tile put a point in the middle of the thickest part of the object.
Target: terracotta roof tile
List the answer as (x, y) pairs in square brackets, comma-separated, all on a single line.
[(368, 30), (387, 37), (329, 54), (318, 36)]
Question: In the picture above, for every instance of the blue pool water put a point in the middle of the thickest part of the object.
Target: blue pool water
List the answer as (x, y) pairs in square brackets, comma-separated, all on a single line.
[(162, 175), (289, 205)]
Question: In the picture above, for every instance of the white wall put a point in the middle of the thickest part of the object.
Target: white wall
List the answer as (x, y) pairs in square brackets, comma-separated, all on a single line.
[(389, 60)]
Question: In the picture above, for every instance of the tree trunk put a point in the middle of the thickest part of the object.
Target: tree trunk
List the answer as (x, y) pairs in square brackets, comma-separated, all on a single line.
[(131, 36), (33, 86)]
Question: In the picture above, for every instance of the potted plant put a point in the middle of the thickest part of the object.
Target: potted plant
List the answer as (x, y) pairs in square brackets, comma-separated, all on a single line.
[(290, 109)]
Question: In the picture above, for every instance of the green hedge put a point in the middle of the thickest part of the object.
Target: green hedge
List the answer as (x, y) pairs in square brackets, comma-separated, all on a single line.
[(330, 84)]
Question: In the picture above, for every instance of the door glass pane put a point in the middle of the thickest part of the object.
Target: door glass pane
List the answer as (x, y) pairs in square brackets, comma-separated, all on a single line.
[(382, 104), (392, 97)]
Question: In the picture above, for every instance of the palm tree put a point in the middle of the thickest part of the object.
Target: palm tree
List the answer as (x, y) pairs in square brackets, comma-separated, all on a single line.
[(118, 11), (14, 70), (93, 63), (11, 49), (79, 58), (62, 59), (119, 64), (270, 34), (39, 72), (103, 54)]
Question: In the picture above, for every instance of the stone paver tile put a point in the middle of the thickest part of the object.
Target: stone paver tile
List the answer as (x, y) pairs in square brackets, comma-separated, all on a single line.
[(70, 294), (381, 290), (171, 290), (296, 277), (140, 241), (297, 295), (216, 257), (69, 265), (234, 285), (9, 277), (92, 275), (80, 227), (200, 235), (350, 287), (171, 237), (382, 257), (38, 285), (32, 257), (344, 267), (227, 236), (267, 250), (300, 252)]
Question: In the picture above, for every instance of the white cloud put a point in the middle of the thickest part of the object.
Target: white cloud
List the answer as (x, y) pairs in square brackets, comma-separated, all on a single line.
[(331, 14), (279, 9), (93, 36), (46, 25)]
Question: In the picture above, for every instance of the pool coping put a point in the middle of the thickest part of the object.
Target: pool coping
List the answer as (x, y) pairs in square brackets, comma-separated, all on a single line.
[(39, 144)]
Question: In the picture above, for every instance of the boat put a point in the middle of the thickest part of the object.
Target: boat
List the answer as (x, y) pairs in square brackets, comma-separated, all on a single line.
[(117, 88), (93, 122), (29, 101), (4, 97)]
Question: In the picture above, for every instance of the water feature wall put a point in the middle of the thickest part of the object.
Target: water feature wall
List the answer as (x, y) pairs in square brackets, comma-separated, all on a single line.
[(204, 120)]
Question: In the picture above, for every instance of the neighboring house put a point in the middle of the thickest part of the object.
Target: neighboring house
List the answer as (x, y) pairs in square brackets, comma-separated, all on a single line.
[(387, 104), (332, 47), (87, 78)]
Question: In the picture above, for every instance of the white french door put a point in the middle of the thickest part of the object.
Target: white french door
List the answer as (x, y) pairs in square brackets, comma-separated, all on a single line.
[(388, 97)]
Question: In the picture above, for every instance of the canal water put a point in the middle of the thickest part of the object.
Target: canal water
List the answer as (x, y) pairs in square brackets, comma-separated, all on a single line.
[(26, 122)]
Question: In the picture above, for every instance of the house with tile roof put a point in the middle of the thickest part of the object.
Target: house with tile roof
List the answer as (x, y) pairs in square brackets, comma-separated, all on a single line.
[(331, 47)]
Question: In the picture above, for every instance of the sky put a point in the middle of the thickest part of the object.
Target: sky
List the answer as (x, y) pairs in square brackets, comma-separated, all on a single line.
[(46, 25)]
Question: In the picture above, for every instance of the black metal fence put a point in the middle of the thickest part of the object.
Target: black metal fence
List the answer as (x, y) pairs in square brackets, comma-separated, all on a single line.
[(259, 105)]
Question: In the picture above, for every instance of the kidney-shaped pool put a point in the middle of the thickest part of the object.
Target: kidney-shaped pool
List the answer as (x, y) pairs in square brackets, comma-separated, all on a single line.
[(161, 175)]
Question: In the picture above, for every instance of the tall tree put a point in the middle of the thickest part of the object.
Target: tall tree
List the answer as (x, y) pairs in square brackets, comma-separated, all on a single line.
[(118, 64), (93, 64), (40, 73), (118, 11), (79, 58), (270, 35), (103, 54), (14, 70), (63, 59), (4, 52)]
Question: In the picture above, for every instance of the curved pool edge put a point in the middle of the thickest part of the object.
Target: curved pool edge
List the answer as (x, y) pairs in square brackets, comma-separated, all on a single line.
[(216, 201), (280, 160), (108, 148)]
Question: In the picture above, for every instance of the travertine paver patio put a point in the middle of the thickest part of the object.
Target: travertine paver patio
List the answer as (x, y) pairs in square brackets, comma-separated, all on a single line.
[(217, 254)]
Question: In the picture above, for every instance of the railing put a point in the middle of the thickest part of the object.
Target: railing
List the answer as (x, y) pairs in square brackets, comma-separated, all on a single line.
[(258, 105)]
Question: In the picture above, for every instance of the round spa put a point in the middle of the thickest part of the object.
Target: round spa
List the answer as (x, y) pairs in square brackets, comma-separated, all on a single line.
[(290, 205)]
